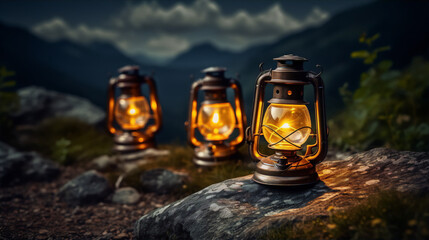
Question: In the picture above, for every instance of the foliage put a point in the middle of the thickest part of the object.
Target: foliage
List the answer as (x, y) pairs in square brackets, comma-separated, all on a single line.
[(9, 101), (68, 140), (387, 215), (180, 160), (388, 109), (369, 56)]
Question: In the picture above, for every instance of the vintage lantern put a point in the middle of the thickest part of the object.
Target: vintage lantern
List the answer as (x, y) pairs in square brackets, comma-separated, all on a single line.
[(215, 119), (286, 125), (131, 112)]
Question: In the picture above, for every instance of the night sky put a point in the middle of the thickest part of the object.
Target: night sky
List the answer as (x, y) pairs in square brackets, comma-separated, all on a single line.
[(163, 29)]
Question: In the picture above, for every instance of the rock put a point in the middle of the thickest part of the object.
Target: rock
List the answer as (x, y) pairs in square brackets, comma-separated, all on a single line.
[(37, 104), (147, 153), (5, 150), (18, 167), (160, 181), (126, 195), (104, 163), (88, 188), (242, 209)]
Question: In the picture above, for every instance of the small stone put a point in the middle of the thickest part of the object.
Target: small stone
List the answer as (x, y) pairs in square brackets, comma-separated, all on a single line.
[(43, 231), (372, 182), (104, 162), (126, 195), (161, 181), (88, 188), (121, 236), (19, 167)]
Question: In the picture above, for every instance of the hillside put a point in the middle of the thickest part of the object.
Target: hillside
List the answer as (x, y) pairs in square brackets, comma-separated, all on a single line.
[(401, 26), (84, 70)]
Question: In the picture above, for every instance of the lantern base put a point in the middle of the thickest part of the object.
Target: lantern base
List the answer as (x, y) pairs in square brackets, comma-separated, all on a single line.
[(299, 173), (209, 155), (132, 141)]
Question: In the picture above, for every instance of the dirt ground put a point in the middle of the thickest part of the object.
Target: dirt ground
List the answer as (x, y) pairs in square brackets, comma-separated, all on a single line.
[(33, 211)]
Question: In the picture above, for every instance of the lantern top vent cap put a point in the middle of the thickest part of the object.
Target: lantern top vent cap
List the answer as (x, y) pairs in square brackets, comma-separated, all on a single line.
[(290, 57), (129, 70), (214, 70)]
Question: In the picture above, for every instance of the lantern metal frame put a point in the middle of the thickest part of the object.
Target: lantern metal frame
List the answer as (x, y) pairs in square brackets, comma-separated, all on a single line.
[(287, 167), (130, 82), (214, 85)]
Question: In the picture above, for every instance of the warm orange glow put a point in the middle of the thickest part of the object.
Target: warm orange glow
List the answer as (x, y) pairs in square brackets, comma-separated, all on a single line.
[(132, 113), (216, 121), (282, 120)]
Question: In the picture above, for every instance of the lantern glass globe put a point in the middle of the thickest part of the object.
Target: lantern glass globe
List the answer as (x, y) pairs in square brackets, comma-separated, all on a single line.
[(216, 121), (132, 112), (285, 126)]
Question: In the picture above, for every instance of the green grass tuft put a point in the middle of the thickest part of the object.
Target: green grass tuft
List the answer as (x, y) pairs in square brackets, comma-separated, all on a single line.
[(387, 215), (69, 141)]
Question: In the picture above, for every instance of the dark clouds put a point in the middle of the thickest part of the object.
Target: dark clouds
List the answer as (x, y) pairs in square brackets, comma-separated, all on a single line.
[(158, 31)]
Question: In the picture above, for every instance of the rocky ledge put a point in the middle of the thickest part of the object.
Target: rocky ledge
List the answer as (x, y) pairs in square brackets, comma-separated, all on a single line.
[(38, 104), (241, 209)]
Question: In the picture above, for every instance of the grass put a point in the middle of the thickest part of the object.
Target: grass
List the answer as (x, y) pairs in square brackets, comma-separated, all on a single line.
[(387, 215), (180, 160), (69, 141)]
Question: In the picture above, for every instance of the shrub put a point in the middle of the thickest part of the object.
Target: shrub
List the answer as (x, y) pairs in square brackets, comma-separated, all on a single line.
[(388, 109)]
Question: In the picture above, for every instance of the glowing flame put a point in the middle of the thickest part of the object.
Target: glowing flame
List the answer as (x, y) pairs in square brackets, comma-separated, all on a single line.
[(132, 111), (215, 118), (286, 125)]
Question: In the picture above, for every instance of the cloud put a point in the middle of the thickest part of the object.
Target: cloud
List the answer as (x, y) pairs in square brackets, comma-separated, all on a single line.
[(167, 45), (206, 14), (158, 31), (178, 18), (56, 29)]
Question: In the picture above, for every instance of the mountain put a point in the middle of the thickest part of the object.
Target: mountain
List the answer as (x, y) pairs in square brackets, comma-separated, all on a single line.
[(63, 66), (84, 70), (146, 60), (401, 25), (202, 56)]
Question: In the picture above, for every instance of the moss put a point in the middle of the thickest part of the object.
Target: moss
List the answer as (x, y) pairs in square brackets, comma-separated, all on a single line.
[(387, 215), (68, 140)]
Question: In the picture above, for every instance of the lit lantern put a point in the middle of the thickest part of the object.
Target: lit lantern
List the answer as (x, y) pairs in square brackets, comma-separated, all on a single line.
[(129, 113), (286, 125), (216, 119)]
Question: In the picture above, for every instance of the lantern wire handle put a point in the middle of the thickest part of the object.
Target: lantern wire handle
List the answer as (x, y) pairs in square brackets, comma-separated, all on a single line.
[(261, 67), (284, 138), (321, 70)]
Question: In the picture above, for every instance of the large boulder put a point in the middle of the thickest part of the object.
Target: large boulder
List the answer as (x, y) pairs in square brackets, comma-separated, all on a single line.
[(88, 188), (241, 209), (18, 167), (37, 104)]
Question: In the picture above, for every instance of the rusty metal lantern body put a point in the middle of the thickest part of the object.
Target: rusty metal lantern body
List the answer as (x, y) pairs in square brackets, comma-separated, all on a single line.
[(216, 119), (128, 114), (286, 125)]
